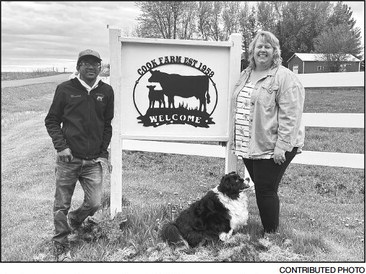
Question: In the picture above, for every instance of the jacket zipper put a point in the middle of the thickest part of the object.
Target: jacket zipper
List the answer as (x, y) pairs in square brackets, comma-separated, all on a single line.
[(89, 122)]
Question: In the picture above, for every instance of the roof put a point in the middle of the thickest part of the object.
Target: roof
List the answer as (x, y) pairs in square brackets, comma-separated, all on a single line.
[(311, 57)]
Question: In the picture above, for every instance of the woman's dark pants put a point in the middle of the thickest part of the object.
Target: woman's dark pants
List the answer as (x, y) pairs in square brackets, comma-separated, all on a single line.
[(266, 175)]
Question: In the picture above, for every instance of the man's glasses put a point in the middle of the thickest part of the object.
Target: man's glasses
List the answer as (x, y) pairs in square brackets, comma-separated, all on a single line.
[(94, 65)]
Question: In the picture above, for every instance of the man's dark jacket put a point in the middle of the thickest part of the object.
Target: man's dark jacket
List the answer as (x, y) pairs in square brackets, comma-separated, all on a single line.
[(86, 119)]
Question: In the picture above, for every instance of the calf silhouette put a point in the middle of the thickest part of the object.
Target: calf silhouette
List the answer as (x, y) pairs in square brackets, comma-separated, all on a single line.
[(183, 86), (155, 95)]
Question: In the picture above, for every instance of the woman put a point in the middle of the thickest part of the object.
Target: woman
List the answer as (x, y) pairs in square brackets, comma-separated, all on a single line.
[(268, 132)]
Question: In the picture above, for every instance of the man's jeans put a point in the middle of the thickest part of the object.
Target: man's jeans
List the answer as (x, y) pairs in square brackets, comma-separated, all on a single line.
[(90, 175)]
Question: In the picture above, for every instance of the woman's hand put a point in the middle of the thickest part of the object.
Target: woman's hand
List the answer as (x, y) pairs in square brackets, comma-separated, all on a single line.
[(279, 156)]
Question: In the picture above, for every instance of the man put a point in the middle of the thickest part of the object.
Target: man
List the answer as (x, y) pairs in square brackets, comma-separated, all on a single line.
[(84, 106)]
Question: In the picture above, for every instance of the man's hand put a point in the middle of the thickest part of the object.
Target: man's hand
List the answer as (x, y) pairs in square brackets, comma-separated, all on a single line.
[(65, 155), (279, 156)]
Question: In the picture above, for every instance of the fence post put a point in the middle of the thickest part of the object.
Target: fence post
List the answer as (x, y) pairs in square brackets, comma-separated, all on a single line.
[(116, 141), (234, 73)]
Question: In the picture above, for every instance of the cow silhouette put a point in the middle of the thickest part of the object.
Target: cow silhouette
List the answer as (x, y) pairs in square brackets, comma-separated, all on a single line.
[(183, 86), (155, 95)]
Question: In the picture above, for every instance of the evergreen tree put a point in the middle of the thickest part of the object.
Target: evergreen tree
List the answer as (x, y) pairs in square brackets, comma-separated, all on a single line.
[(302, 22), (342, 24), (342, 14), (336, 44)]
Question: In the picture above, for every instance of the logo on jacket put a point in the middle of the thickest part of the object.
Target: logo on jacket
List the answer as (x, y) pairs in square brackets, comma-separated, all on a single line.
[(99, 97), (180, 91)]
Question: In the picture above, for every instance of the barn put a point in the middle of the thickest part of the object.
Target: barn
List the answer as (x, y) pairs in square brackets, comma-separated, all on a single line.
[(314, 63)]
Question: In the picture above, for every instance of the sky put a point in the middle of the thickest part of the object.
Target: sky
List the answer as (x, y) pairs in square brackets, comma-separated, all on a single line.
[(47, 34)]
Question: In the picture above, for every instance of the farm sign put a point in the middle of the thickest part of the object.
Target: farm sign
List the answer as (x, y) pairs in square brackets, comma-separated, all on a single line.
[(173, 89)]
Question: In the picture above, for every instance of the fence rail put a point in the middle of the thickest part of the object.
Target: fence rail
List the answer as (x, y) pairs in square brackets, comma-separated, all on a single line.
[(342, 120), (332, 79), (350, 160)]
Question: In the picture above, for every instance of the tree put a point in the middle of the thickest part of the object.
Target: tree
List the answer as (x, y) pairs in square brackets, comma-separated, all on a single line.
[(203, 22), (230, 17), (342, 14), (340, 38), (335, 44), (267, 16), (209, 20), (154, 21), (301, 23), (296, 24), (164, 19), (215, 21), (187, 27), (248, 28)]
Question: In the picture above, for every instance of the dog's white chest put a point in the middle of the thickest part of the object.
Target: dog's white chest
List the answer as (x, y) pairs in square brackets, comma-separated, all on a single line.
[(238, 209)]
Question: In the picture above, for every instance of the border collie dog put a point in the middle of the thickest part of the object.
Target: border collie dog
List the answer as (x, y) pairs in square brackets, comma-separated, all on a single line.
[(223, 210)]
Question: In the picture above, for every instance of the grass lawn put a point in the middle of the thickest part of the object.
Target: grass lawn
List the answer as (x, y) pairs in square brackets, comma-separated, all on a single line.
[(27, 75), (322, 208), (347, 100)]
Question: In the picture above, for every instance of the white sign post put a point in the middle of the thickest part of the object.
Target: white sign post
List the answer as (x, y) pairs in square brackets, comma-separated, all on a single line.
[(170, 90)]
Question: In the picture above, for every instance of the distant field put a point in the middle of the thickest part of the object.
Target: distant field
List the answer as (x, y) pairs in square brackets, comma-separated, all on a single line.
[(5, 76)]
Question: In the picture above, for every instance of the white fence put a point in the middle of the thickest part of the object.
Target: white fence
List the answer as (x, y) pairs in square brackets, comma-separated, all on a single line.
[(332, 79), (340, 120)]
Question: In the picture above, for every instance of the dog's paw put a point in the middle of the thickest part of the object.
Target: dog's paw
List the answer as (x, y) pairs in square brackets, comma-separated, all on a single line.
[(224, 236)]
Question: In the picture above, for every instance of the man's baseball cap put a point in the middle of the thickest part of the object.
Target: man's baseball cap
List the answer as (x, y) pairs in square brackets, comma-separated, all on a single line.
[(89, 52)]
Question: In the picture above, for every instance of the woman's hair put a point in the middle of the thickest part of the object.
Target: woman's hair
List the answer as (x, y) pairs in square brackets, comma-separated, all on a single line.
[(269, 38)]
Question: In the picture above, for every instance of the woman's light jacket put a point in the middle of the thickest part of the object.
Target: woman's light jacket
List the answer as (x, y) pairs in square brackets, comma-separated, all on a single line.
[(277, 104)]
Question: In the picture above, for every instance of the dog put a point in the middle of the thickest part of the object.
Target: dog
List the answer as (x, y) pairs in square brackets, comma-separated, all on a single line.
[(219, 213)]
